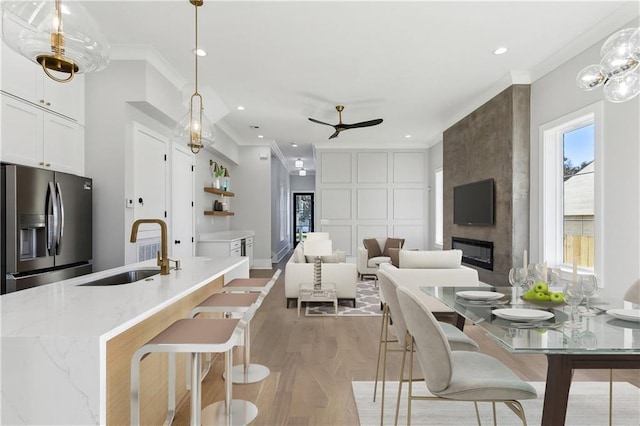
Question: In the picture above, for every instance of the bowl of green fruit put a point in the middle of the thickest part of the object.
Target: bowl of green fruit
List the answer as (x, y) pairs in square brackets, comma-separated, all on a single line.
[(540, 295)]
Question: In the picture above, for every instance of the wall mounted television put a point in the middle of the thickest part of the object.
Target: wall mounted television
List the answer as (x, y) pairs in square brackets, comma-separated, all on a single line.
[(473, 203)]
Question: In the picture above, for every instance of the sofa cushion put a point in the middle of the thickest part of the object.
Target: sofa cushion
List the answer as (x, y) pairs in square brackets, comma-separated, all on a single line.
[(374, 262), (441, 259), (392, 243), (298, 254), (372, 246), (394, 255)]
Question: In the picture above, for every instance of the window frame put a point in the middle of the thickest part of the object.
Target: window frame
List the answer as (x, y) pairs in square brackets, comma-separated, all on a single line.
[(551, 212)]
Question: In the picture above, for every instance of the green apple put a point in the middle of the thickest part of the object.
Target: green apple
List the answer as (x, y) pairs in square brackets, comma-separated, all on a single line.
[(540, 296), (540, 287), (557, 296), (530, 294)]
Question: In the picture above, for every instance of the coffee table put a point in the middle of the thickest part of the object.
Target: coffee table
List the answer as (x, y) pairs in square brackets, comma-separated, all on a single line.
[(326, 293)]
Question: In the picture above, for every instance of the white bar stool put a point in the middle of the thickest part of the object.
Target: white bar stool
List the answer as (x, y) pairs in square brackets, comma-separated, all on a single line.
[(197, 336), (246, 372)]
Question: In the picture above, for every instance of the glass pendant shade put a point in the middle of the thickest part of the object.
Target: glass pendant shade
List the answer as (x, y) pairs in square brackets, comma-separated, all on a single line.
[(299, 163), (634, 45), (195, 130), (622, 88), (62, 37), (618, 62), (302, 172), (590, 77)]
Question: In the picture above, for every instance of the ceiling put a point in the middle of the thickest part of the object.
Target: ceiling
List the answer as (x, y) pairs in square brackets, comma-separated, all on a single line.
[(419, 65)]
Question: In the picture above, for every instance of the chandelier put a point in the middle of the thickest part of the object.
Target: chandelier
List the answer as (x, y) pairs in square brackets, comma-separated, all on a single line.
[(62, 38), (618, 70), (195, 128)]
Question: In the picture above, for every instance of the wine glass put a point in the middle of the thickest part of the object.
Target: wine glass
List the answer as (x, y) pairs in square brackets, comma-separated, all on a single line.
[(589, 285), (573, 296), (517, 278)]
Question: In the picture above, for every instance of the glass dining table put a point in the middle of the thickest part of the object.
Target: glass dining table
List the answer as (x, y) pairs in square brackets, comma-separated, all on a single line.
[(600, 341)]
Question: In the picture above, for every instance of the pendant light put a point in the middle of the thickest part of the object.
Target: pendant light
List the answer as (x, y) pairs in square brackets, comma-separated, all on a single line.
[(195, 128), (619, 68), (62, 38)]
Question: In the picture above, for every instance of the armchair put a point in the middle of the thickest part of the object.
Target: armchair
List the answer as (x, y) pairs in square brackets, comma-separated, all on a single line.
[(374, 252)]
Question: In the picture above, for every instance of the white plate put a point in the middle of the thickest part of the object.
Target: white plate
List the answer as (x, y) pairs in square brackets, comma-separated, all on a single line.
[(522, 314), (480, 295), (625, 314)]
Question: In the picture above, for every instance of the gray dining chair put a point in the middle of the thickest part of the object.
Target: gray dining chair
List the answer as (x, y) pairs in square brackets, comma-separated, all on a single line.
[(457, 375), (456, 337), (632, 295)]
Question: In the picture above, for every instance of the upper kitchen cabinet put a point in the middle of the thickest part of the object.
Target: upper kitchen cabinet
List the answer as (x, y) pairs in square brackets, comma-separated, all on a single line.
[(34, 137), (26, 80)]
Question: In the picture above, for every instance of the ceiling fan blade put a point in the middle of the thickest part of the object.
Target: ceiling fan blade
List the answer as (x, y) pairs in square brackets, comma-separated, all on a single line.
[(320, 122), (363, 124), (335, 135)]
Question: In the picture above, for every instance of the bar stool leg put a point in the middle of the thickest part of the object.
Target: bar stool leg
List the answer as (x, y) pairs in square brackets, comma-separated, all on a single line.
[(230, 411), (246, 372), (171, 388), (196, 387)]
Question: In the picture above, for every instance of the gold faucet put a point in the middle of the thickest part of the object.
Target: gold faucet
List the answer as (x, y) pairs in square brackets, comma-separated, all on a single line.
[(163, 262)]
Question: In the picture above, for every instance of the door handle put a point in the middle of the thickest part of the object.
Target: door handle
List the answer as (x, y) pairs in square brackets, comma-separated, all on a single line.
[(176, 242), (141, 201), (61, 218)]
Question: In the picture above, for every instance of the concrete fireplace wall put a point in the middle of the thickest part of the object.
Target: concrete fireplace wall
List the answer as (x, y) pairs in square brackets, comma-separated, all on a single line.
[(493, 142)]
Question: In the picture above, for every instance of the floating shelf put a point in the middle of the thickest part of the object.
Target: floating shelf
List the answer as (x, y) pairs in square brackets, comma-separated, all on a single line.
[(214, 213), (213, 190)]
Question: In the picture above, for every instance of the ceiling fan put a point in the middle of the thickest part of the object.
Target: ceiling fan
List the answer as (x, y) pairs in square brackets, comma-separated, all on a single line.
[(343, 126)]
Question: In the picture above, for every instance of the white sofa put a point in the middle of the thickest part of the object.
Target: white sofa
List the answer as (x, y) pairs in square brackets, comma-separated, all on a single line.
[(298, 271), (431, 268)]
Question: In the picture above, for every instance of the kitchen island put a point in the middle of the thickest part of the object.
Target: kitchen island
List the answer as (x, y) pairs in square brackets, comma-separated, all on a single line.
[(66, 348)]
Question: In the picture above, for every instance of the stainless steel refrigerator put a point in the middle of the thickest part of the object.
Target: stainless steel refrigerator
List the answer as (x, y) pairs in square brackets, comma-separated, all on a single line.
[(46, 220)]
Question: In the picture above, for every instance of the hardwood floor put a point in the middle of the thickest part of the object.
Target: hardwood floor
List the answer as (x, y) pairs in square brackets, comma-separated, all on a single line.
[(314, 360)]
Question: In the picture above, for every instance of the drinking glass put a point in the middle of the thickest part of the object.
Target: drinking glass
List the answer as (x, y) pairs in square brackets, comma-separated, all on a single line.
[(517, 278), (589, 285), (573, 296)]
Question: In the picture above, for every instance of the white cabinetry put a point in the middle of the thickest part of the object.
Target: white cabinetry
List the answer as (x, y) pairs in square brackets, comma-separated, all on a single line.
[(230, 247), (26, 80), (249, 250), (34, 137)]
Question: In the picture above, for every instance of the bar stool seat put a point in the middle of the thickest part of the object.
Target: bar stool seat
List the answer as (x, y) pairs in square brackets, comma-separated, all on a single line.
[(197, 336), (246, 372)]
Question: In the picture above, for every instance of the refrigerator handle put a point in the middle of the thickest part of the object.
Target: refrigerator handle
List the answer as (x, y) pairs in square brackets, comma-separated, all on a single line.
[(51, 222), (60, 233)]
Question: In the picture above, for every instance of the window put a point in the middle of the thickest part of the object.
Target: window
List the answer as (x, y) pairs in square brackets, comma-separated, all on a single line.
[(570, 189), (438, 203)]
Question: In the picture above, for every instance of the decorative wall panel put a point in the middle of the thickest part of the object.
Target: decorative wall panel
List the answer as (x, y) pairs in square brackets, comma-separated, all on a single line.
[(408, 167), (372, 204), (413, 235), (408, 203), (336, 203), (340, 238), (372, 167), (335, 167), (371, 231)]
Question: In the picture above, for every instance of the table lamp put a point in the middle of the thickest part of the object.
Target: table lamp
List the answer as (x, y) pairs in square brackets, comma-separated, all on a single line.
[(317, 236), (317, 248)]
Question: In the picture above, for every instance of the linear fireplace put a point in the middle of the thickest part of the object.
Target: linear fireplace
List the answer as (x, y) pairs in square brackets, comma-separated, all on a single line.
[(475, 252)]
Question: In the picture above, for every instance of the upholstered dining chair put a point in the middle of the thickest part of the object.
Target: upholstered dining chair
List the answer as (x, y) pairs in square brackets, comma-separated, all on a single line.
[(632, 295), (391, 311), (457, 375)]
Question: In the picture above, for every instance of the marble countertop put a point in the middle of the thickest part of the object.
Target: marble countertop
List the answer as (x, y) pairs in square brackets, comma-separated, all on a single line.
[(70, 309), (224, 236), (54, 337)]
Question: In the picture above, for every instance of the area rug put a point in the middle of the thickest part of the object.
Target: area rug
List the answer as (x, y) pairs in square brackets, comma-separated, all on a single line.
[(588, 405), (367, 303)]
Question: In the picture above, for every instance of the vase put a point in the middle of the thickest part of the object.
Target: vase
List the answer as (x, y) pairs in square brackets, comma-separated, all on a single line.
[(216, 183)]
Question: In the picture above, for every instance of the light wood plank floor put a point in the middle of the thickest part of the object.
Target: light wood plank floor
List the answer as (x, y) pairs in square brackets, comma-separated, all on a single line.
[(314, 360)]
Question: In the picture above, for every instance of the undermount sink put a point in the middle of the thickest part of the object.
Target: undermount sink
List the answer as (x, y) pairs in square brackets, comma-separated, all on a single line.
[(126, 277)]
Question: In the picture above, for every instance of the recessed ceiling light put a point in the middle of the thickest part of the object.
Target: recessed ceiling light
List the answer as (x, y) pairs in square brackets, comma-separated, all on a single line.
[(407, 136), (199, 52), (260, 136), (293, 144), (500, 51), (240, 108)]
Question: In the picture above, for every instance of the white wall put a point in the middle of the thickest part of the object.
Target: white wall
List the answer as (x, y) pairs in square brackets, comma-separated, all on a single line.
[(281, 210), (371, 193), (435, 161), (303, 183), (556, 95)]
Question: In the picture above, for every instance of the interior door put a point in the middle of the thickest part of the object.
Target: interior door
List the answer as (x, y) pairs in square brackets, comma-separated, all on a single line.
[(302, 215), (182, 203), (149, 174)]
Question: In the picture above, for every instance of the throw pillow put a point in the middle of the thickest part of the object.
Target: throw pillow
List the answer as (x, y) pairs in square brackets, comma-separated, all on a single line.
[(372, 246), (298, 255), (392, 243), (330, 259)]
